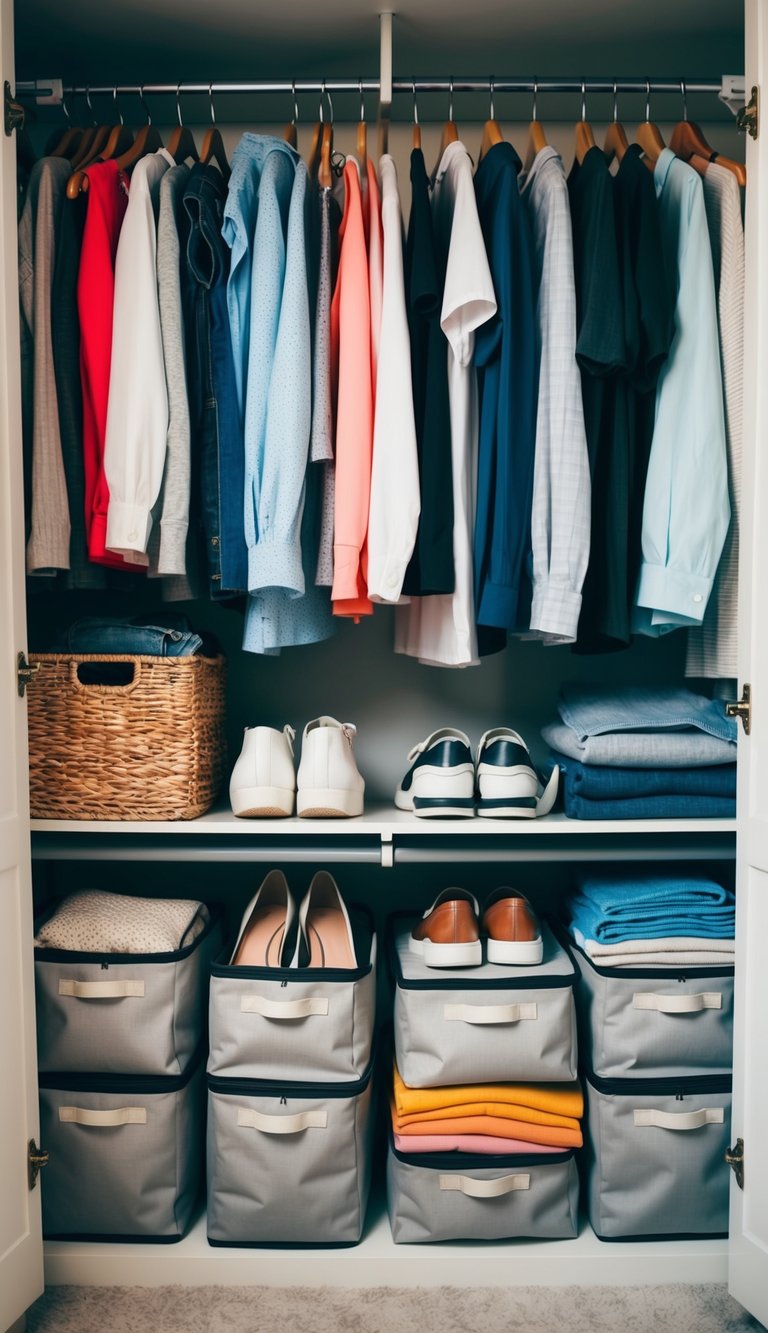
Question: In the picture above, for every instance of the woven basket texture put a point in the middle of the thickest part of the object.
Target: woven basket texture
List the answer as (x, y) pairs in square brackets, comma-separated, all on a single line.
[(153, 748)]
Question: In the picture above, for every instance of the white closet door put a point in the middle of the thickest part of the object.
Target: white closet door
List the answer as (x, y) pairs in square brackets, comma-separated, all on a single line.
[(748, 1266), (21, 1249)]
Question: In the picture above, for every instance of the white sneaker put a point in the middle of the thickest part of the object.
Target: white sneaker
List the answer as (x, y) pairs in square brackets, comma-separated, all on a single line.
[(441, 779), (507, 782), (329, 783), (263, 782)]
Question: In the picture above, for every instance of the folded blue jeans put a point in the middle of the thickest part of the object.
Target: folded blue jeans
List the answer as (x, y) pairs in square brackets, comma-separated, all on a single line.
[(102, 635), (650, 807), (604, 782), (594, 710), (641, 749)]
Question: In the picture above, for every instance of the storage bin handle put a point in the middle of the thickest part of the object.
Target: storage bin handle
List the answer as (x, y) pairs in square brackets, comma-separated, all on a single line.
[(103, 687), (677, 1004), (708, 1115), (101, 990), (282, 1124), (489, 1013), (85, 1115), (282, 1009), (485, 1189)]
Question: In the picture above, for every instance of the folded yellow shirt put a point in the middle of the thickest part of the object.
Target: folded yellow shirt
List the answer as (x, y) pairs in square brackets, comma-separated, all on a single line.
[(556, 1103)]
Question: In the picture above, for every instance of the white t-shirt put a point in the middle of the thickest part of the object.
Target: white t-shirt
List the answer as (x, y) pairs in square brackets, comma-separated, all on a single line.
[(393, 516), (441, 630), (137, 414)]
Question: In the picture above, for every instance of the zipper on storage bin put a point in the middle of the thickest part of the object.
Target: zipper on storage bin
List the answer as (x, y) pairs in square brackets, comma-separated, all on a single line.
[(660, 1087), (136, 1083), (255, 1087)]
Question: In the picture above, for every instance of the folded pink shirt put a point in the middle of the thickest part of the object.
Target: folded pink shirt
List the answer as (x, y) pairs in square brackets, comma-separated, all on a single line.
[(469, 1143)]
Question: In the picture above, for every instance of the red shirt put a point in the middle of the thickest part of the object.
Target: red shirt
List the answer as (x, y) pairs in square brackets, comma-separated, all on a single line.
[(107, 202)]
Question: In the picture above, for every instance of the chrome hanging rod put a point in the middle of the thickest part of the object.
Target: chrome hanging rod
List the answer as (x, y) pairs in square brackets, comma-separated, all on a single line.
[(49, 91)]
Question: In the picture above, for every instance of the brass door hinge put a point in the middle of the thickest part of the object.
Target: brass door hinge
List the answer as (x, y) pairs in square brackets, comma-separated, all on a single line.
[(748, 119), (36, 1159), (742, 709), (14, 111), (25, 673), (735, 1158)]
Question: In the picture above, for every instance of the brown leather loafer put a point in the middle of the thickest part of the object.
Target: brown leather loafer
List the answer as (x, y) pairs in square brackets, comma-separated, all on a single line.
[(448, 934), (513, 930)]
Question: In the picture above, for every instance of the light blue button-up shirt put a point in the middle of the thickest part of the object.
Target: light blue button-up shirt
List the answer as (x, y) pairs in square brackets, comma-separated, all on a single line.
[(686, 510)]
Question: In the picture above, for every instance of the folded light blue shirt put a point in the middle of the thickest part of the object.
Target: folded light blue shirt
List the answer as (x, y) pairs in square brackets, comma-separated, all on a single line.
[(686, 509), (594, 710)]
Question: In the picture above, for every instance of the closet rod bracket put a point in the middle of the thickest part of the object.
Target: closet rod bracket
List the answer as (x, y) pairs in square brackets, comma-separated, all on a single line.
[(748, 119), (742, 709), (14, 111)]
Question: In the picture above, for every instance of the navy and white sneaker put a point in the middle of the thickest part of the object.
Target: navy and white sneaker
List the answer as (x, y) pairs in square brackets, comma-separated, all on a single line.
[(508, 785), (441, 779)]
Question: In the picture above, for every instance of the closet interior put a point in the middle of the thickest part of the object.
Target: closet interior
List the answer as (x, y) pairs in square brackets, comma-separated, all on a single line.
[(387, 860)]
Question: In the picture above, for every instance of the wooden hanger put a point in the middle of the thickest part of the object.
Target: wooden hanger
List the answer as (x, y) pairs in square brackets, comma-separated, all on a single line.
[(120, 137), (688, 142), (290, 133), (93, 138), (450, 132), (319, 162), (537, 139), (116, 138), (416, 125), (70, 140), (648, 135), (616, 143), (147, 141), (492, 133), (212, 149), (585, 139), (181, 144), (362, 134)]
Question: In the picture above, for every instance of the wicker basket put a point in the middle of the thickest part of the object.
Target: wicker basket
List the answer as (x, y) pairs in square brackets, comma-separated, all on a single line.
[(151, 748)]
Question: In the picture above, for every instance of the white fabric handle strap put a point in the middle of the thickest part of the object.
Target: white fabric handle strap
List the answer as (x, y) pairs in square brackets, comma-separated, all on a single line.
[(708, 1115), (102, 990), (677, 1004), (282, 1124), (489, 1013), (485, 1189), (258, 1004), (121, 1115)]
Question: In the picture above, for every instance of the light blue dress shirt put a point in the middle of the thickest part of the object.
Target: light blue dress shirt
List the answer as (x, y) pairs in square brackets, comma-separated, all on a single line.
[(686, 510), (270, 322)]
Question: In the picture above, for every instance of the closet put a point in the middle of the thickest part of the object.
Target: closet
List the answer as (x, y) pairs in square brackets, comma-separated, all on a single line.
[(385, 858)]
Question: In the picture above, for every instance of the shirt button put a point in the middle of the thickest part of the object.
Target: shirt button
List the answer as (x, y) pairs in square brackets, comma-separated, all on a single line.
[(133, 536), (697, 597)]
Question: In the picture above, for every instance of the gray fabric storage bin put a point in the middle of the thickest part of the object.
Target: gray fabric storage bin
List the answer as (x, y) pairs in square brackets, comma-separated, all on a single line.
[(288, 1164), (653, 1022), (113, 1013), (126, 1154), (313, 1025), (461, 1196), (484, 1024), (654, 1157)]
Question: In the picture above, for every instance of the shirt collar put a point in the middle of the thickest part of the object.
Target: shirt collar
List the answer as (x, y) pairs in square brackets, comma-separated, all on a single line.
[(544, 154), (453, 151), (661, 170)]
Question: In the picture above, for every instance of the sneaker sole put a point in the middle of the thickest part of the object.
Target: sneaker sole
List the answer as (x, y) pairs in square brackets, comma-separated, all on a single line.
[(515, 807), (329, 803), (444, 807), (448, 955), (515, 953), (262, 802)]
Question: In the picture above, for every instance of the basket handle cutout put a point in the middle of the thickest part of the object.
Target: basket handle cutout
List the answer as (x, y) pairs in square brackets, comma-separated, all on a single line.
[(116, 675)]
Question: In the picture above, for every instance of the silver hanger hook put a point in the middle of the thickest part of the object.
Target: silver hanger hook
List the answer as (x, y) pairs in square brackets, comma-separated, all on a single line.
[(450, 98), (295, 120), (178, 107), (491, 89), (615, 101), (415, 103), (210, 103), (144, 104), (88, 101), (583, 99), (64, 107), (362, 101), (647, 99), (117, 104), (535, 99), (685, 99)]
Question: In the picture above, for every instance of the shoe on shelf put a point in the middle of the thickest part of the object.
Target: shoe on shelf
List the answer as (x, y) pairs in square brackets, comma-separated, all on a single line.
[(441, 779), (507, 782), (266, 935), (329, 783), (512, 929), (325, 936), (448, 934), (263, 782)]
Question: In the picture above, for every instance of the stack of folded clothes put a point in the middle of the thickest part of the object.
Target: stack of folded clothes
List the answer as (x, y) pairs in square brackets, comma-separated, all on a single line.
[(626, 919), (643, 753), (496, 1118)]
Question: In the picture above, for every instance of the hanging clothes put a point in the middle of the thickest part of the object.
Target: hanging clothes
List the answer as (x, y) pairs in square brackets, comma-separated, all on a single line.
[(560, 515), (137, 416), (324, 360), (682, 541), (441, 631), (394, 507), (506, 356), (712, 650), (48, 519)]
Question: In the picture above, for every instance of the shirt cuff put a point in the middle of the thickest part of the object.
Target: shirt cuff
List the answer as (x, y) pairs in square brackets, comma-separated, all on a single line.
[(276, 565), (172, 558), (128, 527), (663, 588), (555, 612), (497, 607), (346, 567)]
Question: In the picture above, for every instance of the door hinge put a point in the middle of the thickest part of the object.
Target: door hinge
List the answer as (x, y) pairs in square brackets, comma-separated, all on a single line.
[(748, 119), (36, 1159), (14, 111), (735, 1158), (25, 673), (742, 709)]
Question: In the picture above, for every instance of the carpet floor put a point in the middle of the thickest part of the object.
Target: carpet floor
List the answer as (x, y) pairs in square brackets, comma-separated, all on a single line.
[(663, 1309)]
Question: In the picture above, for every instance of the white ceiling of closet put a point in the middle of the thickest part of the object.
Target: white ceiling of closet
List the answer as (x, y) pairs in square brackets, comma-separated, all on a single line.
[(167, 40)]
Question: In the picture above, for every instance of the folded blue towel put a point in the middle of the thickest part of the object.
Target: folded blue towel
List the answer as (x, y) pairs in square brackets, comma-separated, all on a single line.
[(604, 782), (594, 710), (618, 906)]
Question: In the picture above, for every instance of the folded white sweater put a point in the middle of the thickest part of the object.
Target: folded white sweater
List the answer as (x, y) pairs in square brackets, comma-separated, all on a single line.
[(94, 922)]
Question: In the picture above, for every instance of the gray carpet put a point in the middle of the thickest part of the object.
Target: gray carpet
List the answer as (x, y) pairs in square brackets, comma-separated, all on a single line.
[(667, 1309)]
